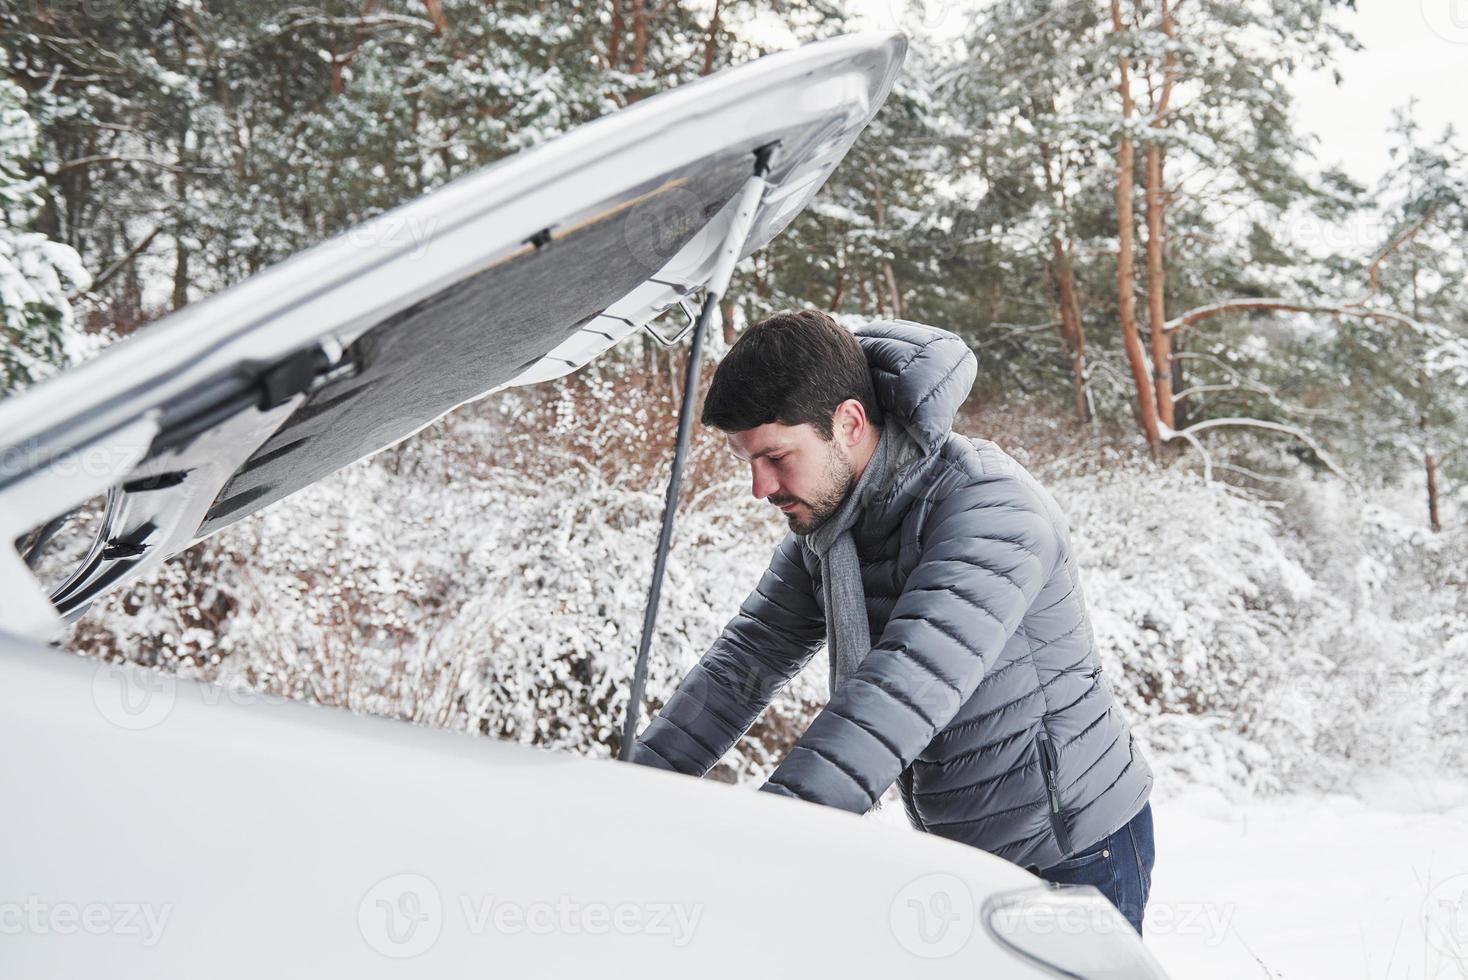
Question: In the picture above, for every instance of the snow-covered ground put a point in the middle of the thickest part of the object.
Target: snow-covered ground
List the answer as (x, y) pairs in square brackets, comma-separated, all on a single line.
[(1369, 886)]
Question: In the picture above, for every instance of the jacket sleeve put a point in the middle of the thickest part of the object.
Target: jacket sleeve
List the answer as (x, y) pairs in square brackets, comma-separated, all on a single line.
[(775, 633), (986, 550)]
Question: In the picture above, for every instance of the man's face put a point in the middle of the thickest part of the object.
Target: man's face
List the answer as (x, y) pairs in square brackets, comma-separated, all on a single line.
[(795, 469)]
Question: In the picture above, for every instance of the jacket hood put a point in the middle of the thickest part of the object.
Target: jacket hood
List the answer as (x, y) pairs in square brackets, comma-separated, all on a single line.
[(922, 376)]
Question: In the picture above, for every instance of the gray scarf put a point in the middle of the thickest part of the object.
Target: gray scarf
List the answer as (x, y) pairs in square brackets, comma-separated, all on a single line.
[(848, 635)]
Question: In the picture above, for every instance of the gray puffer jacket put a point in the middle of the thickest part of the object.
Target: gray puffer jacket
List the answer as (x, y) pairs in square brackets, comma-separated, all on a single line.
[(982, 696)]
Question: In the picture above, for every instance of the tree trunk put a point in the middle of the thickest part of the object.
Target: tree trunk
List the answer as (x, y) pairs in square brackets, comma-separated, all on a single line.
[(1125, 261), (726, 309), (614, 41), (711, 42), (1156, 286), (1062, 274), (180, 274), (639, 36), (180, 251), (1156, 238), (880, 211), (840, 282), (1071, 330), (898, 308), (1180, 412), (1430, 461), (1432, 515)]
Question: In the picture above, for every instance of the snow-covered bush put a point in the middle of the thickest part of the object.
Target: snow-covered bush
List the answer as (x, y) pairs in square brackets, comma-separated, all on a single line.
[(37, 333), (1271, 644), (1194, 598), (428, 585), (1392, 624), (489, 575), (1273, 639)]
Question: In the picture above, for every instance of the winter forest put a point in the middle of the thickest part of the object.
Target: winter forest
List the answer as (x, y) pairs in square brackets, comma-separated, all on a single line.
[(1241, 370)]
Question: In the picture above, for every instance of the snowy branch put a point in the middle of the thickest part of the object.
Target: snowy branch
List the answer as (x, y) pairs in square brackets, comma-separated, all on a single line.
[(1240, 383), (1275, 303), (52, 169), (1189, 434), (120, 264), (1396, 243), (299, 17)]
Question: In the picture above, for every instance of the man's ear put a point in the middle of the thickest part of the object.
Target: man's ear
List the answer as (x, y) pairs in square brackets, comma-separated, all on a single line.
[(849, 423)]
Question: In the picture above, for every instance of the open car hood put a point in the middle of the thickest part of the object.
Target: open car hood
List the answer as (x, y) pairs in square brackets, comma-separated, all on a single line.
[(520, 272)]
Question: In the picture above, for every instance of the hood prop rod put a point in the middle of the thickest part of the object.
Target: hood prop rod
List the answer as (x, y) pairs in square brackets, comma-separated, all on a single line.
[(733, 244)]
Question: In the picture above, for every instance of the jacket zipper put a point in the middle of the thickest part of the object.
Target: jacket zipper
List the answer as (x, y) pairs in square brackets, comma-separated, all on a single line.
[(1049, 767)]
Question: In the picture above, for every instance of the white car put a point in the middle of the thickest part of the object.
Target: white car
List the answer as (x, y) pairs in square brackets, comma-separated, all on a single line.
[(160, 828)]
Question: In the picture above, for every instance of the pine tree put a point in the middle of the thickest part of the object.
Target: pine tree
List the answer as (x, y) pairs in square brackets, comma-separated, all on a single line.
[(1204, 99), (1025, 90), (37, 275)]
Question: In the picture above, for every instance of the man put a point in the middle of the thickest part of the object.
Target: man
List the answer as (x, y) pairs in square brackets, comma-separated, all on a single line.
[(981, 696)]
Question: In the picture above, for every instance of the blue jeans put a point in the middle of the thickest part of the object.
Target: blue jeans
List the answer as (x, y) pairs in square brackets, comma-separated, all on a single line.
[(1120, 866)]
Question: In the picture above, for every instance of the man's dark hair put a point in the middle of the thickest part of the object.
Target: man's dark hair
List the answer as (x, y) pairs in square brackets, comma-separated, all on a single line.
[(793, 367)]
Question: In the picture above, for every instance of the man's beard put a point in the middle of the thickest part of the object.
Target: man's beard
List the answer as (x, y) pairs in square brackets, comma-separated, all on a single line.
[(839, 478)]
